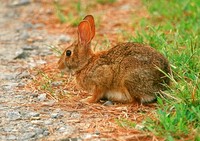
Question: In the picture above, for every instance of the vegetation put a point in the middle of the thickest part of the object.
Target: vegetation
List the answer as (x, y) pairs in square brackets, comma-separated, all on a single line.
[(173, 28)]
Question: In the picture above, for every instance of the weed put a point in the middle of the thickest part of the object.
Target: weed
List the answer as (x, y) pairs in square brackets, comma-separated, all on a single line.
[(174, 30), (59, 13), (125, 123), (105, 1)]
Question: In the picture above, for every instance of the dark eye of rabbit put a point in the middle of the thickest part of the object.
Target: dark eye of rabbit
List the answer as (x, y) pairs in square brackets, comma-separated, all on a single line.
[(68, 52)]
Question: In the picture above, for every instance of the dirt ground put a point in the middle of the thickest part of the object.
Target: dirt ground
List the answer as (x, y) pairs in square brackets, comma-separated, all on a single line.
[(37, 102)]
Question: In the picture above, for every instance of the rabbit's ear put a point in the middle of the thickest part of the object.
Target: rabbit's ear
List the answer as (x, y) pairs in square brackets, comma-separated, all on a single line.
[(90, 19), (84, 32)]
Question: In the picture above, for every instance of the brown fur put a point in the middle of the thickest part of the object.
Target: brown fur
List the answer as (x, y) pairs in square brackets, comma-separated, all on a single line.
[(124, 73)]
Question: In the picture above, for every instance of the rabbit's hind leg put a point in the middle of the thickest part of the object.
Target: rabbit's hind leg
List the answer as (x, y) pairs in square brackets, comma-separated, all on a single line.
[(139, 94)]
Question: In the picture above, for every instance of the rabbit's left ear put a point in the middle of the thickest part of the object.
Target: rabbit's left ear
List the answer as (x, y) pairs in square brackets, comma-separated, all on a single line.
[(90, 19), (84, 32)]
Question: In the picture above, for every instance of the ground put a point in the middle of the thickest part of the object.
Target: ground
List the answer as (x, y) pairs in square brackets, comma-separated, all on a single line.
[(37, 101)]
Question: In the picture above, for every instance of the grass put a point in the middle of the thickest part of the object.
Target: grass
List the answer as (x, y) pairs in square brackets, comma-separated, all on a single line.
[(74, 14), (105, 1), (174, 30)]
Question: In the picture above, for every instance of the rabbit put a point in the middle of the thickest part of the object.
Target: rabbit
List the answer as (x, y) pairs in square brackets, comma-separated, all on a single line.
[(126, 73)]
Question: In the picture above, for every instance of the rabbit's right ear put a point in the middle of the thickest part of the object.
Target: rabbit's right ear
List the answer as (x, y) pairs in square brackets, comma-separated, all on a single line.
[(84, 32), (90, 19)]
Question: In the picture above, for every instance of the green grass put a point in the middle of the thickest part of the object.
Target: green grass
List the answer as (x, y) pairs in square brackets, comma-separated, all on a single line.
[(174, 30), (73, 16), (105, 1)]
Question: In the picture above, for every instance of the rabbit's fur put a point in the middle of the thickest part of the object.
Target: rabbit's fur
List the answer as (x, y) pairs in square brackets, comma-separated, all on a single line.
[(124, 73)]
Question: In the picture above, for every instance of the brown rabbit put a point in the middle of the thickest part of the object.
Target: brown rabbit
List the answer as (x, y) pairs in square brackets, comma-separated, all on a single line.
[(125, 73)]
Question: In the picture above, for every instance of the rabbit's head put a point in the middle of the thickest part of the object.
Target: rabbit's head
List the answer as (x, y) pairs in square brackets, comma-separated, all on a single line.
[(77, 55)]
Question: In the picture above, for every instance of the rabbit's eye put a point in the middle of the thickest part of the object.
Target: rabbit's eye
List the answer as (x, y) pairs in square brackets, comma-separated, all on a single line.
[(68, 52)]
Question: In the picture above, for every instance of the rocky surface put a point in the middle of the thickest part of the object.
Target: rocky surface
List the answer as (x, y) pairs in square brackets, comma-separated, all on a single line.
[(20, 42)]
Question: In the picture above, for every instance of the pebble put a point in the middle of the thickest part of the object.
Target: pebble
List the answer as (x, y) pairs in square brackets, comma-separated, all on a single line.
[(108, 103), (33, 114), (46, 133), (139, 126), (56, 83), (24, 74), (75, 115), (11, 137), (62, 129), (29, 47), (55, 115), (38, 25), (9, 85), (39, 131), (24, 36), (28, 135), (125, 7), (42, 97), (48, 122), (28, 25), (8, 129), (20, 2), (22, 55), (13, 115)]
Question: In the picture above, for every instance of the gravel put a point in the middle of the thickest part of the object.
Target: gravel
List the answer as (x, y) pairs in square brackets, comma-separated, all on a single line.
[(27, 115), (13, 115), (42, 97)]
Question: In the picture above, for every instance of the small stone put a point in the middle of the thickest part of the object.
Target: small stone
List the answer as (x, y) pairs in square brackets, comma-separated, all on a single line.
[(24, 36), (39, 131), (46, 133), (125, 7), (55, 115), (24, 74), (56, 83), (48, 122), (139, 126), (97, 133), (108, 103), (13, 115), (64, 38), (33, 114), (38, 25), (10, 85), (28, 25), (22, 55), (75, 115), (11, 137), (41, 62), (66, 130), (49, 103), (20, 2), (42, 97), (29, 47), (28, 135), (8, 129), (62, 129)]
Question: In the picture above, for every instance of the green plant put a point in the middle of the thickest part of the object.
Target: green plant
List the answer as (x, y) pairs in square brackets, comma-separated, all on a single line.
[(125, 123), (174, 30), (105, 1), (59, 12)]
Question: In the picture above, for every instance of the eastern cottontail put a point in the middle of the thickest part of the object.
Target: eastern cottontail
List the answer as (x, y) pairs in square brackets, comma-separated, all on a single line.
[(124, 73)]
